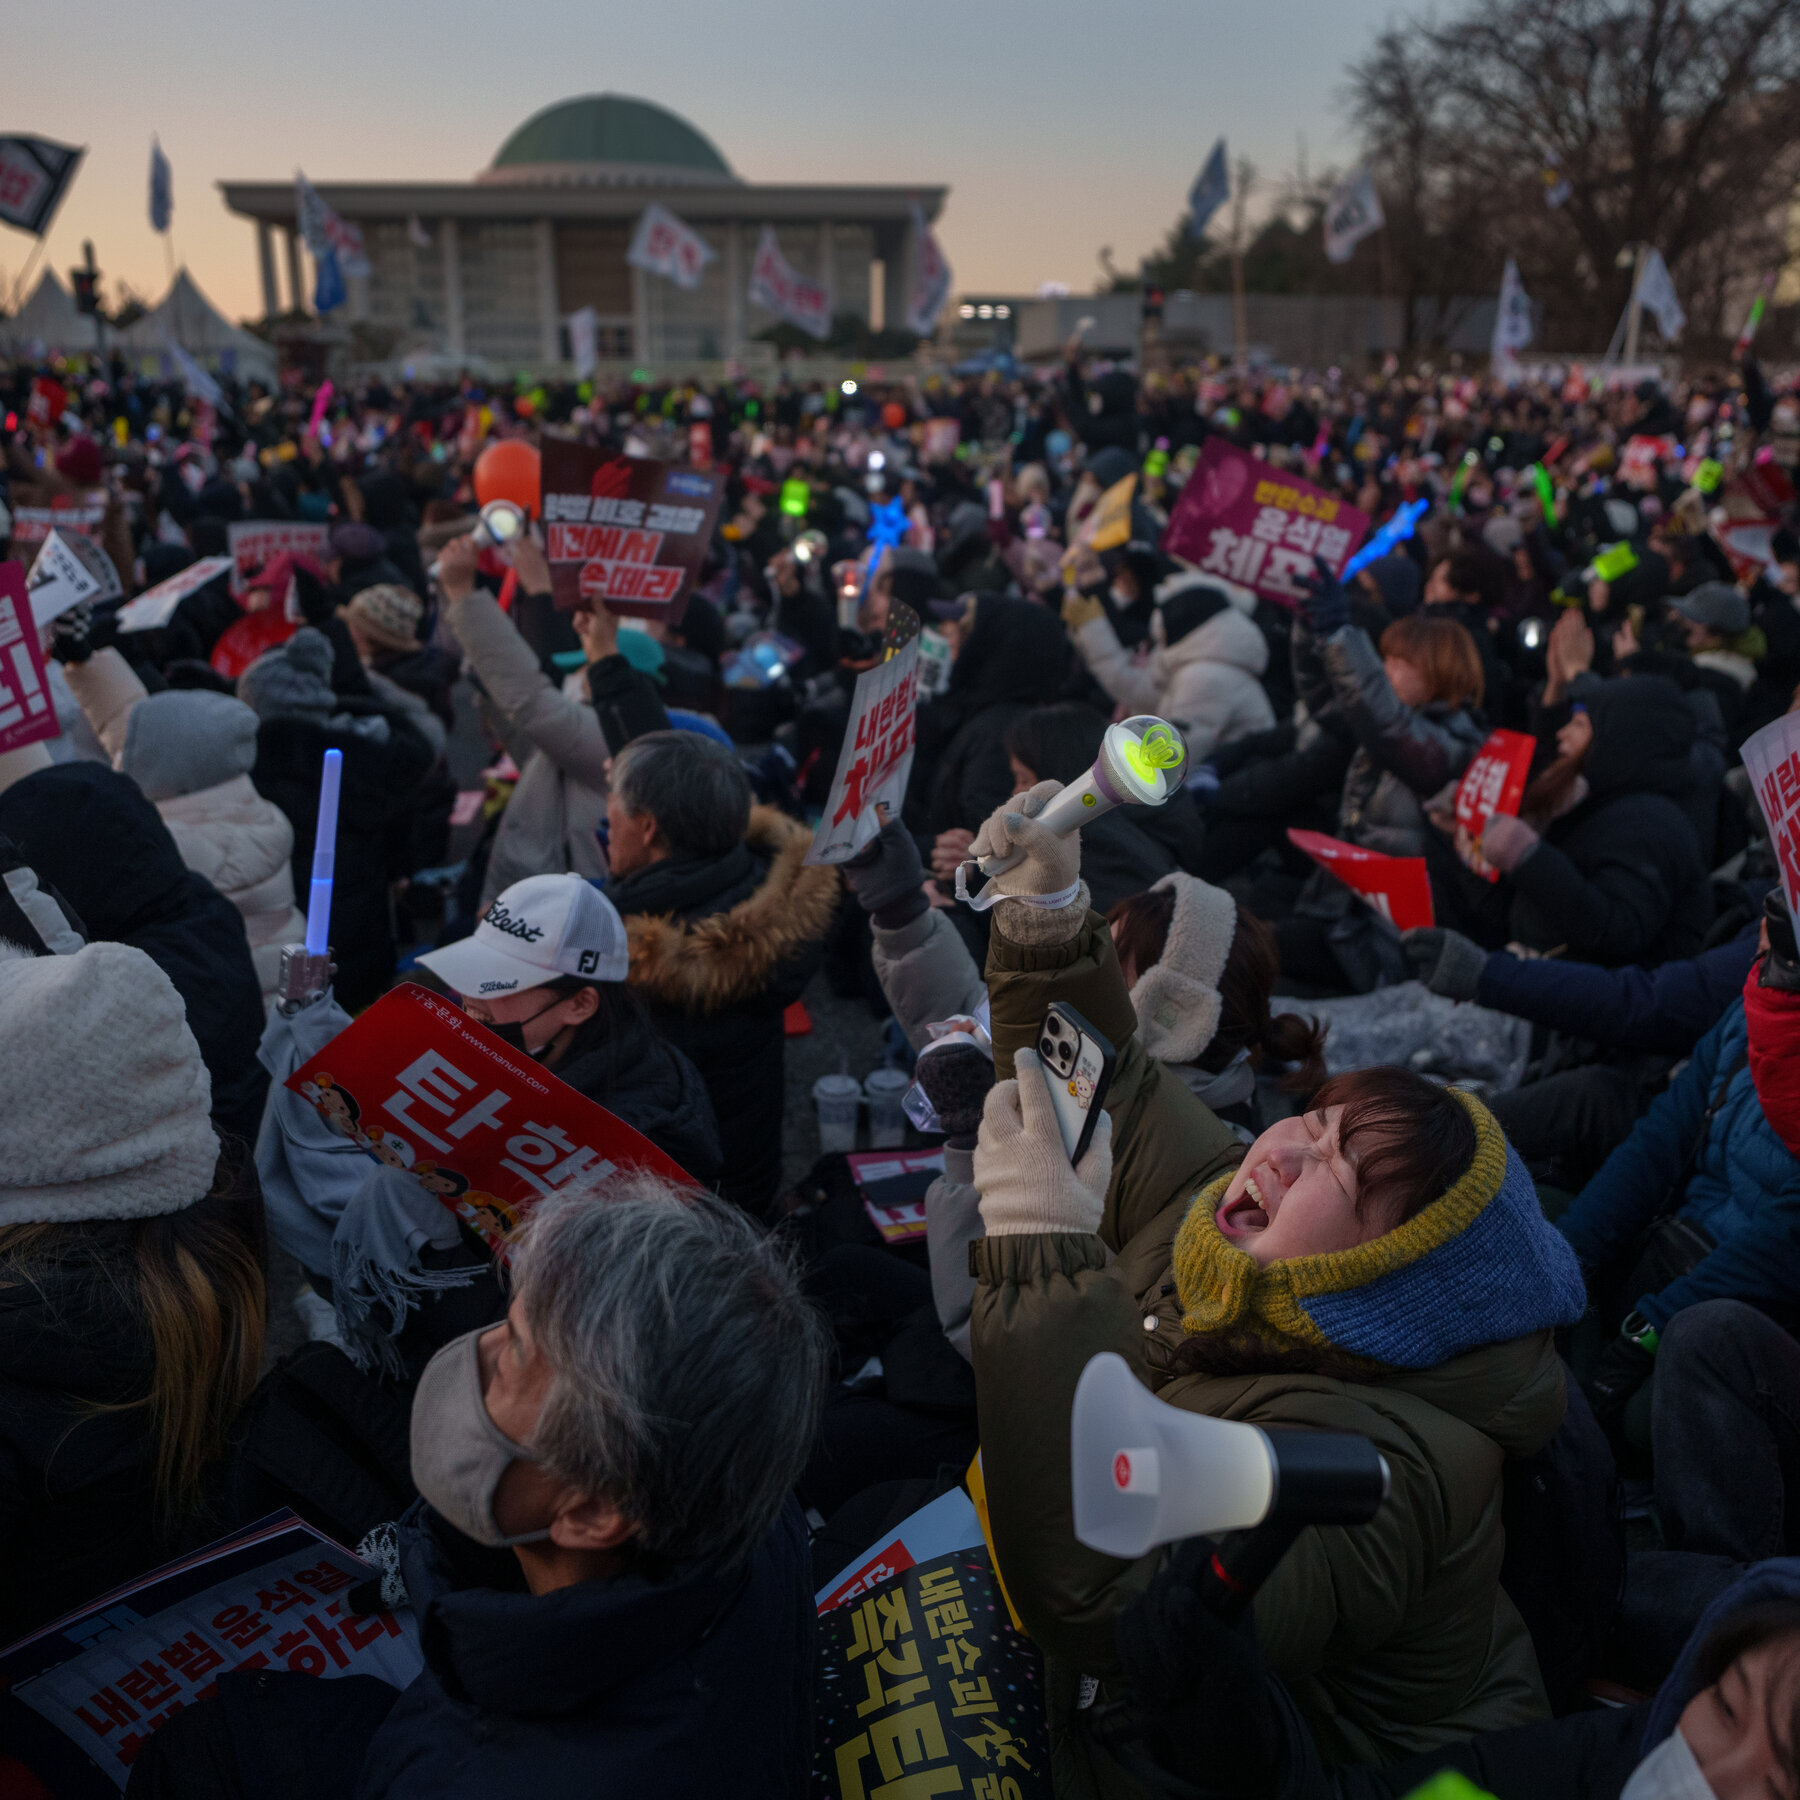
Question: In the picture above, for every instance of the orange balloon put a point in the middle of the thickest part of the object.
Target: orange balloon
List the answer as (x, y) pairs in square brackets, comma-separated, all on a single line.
[(508, 470), (893, 415)]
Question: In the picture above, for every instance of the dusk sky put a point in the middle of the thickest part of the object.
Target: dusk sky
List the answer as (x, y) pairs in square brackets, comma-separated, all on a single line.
[(1058, 127)]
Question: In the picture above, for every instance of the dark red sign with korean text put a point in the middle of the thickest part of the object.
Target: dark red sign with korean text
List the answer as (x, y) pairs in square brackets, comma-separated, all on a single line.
[(418, 1085), (625, 530), (1259, 526)]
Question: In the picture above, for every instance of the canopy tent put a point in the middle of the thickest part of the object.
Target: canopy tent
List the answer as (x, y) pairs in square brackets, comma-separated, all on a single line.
[(184, 316), (47, 324)]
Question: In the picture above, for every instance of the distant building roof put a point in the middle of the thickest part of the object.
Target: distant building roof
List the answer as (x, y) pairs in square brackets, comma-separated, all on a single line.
[(607, 139)]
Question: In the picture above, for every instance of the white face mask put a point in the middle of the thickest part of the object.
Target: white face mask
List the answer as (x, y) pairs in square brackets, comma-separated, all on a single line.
[(1669, 1772), (458, 1452)]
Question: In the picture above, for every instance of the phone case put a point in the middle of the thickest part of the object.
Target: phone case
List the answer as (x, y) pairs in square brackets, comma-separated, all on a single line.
[(1078, 1066)]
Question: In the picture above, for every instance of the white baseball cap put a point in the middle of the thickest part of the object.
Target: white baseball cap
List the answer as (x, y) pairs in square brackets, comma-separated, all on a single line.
[(538, 929)]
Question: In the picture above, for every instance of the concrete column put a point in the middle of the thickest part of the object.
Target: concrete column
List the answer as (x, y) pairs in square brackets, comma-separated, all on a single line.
[(896, 277), (641, 351), (828, 261), (549, 318), (265, 262), (453, 292), (296, 286), (735, 279)]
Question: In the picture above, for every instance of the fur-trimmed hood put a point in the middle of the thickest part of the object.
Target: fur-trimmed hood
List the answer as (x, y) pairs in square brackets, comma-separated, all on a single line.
[(706, 964)]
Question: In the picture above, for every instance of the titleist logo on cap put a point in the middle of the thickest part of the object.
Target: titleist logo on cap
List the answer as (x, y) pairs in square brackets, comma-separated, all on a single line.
[(502, 920)]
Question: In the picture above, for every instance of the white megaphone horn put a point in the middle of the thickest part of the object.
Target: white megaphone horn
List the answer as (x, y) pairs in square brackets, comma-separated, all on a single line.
[(1146, 1473), (1142, 762), (498, 524)]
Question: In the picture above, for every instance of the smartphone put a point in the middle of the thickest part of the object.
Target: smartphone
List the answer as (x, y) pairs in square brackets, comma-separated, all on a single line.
[(1078, 1066)]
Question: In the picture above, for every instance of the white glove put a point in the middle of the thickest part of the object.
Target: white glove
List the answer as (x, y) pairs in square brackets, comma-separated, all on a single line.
[(1052, 864), (1022, 1168)]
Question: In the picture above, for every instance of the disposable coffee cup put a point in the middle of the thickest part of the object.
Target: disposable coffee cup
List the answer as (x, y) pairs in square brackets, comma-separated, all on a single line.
[(837, 1098), (885, 1090)]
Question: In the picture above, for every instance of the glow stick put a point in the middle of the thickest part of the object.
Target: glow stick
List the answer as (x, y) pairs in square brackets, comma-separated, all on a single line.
[(1398, 527), (324, 863), (320, 401)]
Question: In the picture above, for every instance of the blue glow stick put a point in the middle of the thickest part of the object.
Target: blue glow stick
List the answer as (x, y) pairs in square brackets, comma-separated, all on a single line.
[(1398, 527), (318, 902)]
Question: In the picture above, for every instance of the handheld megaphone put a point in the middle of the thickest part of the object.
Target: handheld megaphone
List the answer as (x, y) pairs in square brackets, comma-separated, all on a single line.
[(1146, 1473), (499, 523), (1142, 762)]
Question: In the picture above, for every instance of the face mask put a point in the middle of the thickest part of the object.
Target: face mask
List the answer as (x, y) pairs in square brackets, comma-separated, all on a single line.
[(1669, 1772), (458, 1452), (513, 1035)]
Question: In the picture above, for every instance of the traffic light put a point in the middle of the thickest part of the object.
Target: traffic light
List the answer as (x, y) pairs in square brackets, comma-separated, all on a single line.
[(86, 283)]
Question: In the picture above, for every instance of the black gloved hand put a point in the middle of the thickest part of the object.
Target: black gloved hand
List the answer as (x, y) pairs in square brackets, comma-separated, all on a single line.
[(1327, 606), (887, 870), (1447, 962), (71, 635), (1202, 1691), (1623, 1368)]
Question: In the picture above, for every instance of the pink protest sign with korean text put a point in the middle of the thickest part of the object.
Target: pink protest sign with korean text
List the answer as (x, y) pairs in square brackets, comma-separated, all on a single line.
[(1772, 758), (1396, 886), (416, 1084), (1494, 782), (1259, 526), (26, 713), (627, 531)]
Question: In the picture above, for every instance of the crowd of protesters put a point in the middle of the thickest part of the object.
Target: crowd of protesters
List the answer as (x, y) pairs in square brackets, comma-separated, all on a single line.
[(1562, 1299)]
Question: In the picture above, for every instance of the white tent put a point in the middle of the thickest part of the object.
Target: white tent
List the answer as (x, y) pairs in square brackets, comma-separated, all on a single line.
[(185, 316), (47, 324)]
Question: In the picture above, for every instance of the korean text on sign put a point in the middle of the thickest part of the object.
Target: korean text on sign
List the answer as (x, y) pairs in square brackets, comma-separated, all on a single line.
[(1494, 782), (1772, 757), (26, 714), (876, 759)]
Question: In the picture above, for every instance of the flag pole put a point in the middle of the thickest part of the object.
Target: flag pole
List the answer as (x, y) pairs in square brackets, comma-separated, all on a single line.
[(1633, 311), (1240, 306), (18, 294)]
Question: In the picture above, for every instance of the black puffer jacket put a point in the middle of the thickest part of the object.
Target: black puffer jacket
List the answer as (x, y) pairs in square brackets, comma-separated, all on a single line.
[(380, 784), (1404, 754), (1619, 879), (92, 835), (1015, 658), (719, 950)]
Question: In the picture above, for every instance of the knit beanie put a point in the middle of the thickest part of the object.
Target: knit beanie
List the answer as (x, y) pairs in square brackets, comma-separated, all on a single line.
[(106, 1116), (292, 680), (1479, 1265), (185, 740), (389, 614), (1177, 997)]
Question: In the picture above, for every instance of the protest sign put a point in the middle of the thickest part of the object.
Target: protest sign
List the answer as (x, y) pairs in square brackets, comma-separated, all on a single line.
[(49, 399), (1262, 528), (155, 607), (1107, 523), (893, 1184), (1494, 782), (626, 530), (255, 543), (1643, 455), (876, 759), (67, 571), (938, 439), (778, 287), (1746, 514), (665, 245), (925, 1687), (417, 1085), (37, 512), (945, 1525), (26, 715), (1772, 758), (83, 1696), (1396, 886)]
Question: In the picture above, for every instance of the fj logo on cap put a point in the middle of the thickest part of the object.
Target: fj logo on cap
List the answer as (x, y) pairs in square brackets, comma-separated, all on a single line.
[(590, 961)]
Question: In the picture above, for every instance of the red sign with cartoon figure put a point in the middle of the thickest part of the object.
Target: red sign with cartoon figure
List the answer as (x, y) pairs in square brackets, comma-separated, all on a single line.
[(418, 1085)]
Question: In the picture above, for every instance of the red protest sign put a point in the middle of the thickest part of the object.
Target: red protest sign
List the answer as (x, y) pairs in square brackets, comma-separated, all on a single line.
[(1396, 886), (255, 543), (418, 1085), (1643, 457), (1493, 783), (1259, 526), (1772, 758), (48, 401), (37, 512), (625, 530), (26, 715)]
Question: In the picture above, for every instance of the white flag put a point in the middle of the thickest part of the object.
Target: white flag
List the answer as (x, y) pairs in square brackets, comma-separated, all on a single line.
[(1352, 213), (1512, 322), (200, 384), (325, 232), (415, 230), (931, 279), (1656, 293), (778, 287), (663, 245), (584, 341)]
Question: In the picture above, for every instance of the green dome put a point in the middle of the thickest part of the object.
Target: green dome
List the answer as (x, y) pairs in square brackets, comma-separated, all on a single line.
[(612, 129)]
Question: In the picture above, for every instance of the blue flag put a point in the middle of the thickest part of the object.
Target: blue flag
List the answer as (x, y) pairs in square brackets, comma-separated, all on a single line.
[(1212, 187), (328, 283), (162, 188)]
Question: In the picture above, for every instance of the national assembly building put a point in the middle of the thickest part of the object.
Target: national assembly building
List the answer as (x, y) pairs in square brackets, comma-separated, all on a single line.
[(491, 269)]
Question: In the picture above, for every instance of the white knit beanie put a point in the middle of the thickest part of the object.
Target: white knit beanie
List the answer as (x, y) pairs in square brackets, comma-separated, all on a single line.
[(104, 1100), (1177, 997)]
